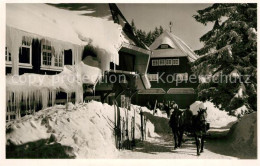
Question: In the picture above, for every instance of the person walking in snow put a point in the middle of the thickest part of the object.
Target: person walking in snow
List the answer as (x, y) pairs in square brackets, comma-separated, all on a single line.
[(167, 108), (176, 124), (188, 119), (174, 105)]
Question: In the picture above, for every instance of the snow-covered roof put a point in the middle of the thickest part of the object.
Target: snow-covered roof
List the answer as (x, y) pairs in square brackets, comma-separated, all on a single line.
[(68, 26), (178, 47), (166, 40), (101, 25)]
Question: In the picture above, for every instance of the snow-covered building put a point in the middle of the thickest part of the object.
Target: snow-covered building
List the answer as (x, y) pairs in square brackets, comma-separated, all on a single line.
[(57, 50), (169, 71)]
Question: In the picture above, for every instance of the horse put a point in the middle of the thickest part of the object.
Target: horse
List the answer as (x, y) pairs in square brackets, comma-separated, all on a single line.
[(182, 121), (200, 127), (176, 123)]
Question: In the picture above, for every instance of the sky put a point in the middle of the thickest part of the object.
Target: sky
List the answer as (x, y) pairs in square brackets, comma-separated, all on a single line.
[(149, 16)]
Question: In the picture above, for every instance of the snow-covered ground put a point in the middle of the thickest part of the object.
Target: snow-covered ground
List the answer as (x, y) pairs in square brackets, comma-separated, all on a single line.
[(87, 128), (240, 135), (161, 148), (238, 142)]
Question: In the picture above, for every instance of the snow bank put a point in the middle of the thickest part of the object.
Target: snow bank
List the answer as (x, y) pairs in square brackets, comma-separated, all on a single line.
[(243, 135), (216, 117), (87, 128), (150, 130), (158, 112)]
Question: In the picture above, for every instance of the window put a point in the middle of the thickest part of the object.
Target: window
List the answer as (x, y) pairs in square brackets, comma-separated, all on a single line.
[(182, 77), (152, 77), (59, 60), (168, 62), (68, 57), (51, 59), (154, 62), (161, 62), (46, 53), (25, 51), (164, 46), (8, 57), (46, 58), (175, 62)]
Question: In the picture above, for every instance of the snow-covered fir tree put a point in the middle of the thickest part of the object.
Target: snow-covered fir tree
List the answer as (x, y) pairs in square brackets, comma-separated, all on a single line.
[(230, 49)]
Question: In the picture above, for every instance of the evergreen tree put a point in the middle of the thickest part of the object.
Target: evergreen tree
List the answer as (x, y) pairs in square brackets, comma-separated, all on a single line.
[(148, 40), (161, 29), (230, 49), (133, 25), (141, 34), (155, 34)]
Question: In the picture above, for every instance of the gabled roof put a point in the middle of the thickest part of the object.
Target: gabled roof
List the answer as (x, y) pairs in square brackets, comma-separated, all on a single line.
[(178, 47)]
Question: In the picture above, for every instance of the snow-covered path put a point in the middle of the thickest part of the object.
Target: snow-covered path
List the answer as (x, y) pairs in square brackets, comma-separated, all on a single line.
[(163, 148)]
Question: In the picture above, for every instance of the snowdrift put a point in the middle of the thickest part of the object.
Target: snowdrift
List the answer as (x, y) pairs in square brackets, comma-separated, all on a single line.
[(243, 136), (158, 112), (216, 117), (87, 128)]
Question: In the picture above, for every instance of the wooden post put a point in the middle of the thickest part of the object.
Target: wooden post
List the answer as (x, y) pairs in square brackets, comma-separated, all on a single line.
[(123, 132), (133, 131), (119, 138), (127, 131), (142, 126), (154, 107), (115, 127)]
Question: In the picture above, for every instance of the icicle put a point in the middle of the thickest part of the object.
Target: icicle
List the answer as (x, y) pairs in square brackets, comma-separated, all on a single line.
[(94, 90), (14, 43), (29, 108), (25, 97), (68, 97), (45, 98), (53, 97)]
